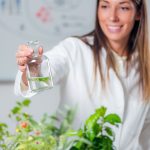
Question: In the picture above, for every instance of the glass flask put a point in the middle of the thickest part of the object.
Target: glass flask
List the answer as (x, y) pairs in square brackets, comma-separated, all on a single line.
[(38, 70)]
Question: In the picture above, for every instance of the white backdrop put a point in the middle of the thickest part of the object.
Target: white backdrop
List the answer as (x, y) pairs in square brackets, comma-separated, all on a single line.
[(46, 20), (13, 32)]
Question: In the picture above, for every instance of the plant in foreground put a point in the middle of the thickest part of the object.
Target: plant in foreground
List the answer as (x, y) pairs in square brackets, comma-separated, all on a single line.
[(51, 133), (47, 134), (97, 133)]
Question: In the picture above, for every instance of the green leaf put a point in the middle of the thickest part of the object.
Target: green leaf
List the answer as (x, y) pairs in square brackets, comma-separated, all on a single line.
[(113, 119), (102, 143), (81, 144), (91, 126), (26, 102), (78, 133), (34, 124), (26, 116), (90, 122), (54, 118), (3, 125), (18, 118), (19, 104), (16, 110), (109, 131), (70, 115), (74, 148)]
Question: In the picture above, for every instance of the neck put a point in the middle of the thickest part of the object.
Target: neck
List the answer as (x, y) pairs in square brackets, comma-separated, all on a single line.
[(119, 47)]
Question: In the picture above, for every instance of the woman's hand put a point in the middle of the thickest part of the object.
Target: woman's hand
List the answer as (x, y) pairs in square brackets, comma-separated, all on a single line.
[(23, 56)]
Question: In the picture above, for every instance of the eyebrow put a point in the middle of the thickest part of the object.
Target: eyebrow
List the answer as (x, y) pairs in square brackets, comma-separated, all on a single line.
[(104, 1), (122, 2)]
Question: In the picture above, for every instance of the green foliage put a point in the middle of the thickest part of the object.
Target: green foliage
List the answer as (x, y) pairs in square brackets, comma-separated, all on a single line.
[(3, 132), (32, 135), (97, 133), (53, 133)]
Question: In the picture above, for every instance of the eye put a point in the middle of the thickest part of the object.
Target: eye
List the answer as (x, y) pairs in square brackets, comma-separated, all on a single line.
[(125, 8), (104, 6)]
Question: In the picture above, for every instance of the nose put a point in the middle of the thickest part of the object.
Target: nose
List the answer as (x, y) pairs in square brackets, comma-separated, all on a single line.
[(113, 15)]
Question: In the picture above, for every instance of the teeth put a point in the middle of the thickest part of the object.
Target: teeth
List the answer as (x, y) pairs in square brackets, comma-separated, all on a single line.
[(114, 27)]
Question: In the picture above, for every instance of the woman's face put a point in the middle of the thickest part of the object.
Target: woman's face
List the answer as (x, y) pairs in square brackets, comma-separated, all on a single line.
[(117, 18)]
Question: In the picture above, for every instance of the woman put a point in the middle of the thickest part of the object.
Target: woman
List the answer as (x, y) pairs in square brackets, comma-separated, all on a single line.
[(117, 51)]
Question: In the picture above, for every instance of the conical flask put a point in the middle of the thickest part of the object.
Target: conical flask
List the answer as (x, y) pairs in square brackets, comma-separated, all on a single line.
[(38, 70)]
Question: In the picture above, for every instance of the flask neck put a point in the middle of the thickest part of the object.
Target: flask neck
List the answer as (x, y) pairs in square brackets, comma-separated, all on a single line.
[(35, 55), (35, 45)]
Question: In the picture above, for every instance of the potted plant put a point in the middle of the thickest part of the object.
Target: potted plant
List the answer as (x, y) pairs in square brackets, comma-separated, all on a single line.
[(51, 133), (97, 133)]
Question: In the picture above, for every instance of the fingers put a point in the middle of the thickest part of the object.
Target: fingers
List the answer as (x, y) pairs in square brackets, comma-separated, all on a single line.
[(40, 50), (24, 51), (24, 55), (22, 68), (21, 61)]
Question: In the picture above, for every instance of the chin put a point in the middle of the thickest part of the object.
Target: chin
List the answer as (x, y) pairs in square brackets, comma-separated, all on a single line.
[(115, 39)]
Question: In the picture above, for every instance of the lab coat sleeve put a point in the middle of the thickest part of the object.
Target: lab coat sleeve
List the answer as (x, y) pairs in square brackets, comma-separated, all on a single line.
[(60, 57), (145, 134), (20, 89)]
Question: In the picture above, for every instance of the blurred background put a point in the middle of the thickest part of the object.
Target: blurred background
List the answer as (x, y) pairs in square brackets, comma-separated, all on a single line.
[(48, 21)]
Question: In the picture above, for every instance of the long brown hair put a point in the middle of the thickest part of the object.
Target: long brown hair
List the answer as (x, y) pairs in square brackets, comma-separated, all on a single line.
[(138, 41)]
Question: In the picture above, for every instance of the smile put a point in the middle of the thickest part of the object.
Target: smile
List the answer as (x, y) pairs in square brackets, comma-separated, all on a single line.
[(114, 29)]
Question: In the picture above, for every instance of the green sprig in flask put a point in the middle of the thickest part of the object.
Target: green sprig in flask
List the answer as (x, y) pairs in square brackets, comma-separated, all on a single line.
[(38, 70)]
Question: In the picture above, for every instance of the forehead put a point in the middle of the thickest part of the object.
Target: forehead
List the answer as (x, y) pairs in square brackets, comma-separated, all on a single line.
[(117, 1)]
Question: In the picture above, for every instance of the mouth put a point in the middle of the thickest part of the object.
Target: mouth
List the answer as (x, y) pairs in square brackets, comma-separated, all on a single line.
[(114, 29)]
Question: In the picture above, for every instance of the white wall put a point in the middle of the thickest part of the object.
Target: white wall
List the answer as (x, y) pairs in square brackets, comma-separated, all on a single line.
[(45, 102), (41, 103), (19, 24)]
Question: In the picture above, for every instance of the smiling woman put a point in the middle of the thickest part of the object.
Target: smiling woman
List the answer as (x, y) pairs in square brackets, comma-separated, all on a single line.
[(122, 27), (109, 66), (116, 19)]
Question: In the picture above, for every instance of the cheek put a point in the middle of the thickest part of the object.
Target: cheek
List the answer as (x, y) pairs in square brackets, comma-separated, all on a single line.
[(129, 18), (102, 19), (102, 16), (129, 22)]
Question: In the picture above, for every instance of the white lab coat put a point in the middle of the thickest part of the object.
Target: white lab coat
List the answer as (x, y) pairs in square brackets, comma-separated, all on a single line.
[(72, 67)]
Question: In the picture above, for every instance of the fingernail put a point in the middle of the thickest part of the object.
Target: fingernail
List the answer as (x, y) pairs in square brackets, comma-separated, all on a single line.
[(40, 48)]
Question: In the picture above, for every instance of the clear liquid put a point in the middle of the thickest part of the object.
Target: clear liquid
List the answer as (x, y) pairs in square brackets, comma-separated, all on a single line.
[(38, 84)]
